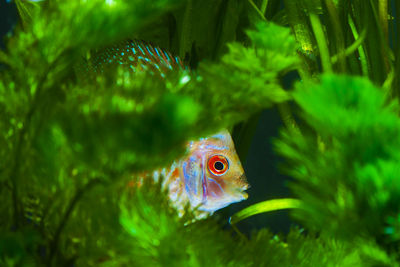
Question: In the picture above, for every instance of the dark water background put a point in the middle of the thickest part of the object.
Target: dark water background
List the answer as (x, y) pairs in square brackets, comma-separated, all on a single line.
[(261, 164), (8, 17)]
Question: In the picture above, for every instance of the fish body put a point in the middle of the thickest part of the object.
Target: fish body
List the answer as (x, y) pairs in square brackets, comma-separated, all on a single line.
[(210, 175), (138, 56), (208, 178)]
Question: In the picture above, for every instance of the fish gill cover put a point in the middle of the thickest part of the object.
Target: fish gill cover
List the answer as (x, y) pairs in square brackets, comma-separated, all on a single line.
[(69, 147)]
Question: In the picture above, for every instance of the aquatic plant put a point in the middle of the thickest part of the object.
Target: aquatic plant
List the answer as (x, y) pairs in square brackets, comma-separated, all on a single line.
[(69, 145)]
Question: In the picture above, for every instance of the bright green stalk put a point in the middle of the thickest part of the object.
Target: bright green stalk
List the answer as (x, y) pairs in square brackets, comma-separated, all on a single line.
[(264, 6), (353, 47), (257, 10), (321, 41), (363, 59), (265, 206)]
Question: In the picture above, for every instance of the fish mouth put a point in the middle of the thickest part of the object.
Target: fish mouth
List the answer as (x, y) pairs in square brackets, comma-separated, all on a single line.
[(232, 193), (243, 194), (244, 185)]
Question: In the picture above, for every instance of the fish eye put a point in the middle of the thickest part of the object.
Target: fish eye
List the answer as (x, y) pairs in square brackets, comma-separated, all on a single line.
[(218, 165)]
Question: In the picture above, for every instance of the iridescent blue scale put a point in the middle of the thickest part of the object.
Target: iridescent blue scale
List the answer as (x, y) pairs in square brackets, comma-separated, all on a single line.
[(137, 56), (194, 180)]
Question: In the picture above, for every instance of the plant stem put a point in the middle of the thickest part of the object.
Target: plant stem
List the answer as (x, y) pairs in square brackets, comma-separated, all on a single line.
[(264, 6), (363, 59), (242, 236), (257, 10), (387, 84), (14, 175), (186, 33), (321, 41), (338, 33), (283, 108), (382, 23), (244, 134), (353, 47), (299, 25), (15, 170), (265, 206), (287, 117), (396, 45), (383, 17), (54, 243)]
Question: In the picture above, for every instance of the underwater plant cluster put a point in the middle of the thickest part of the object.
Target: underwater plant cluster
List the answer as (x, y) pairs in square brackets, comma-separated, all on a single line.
[(74, 135)]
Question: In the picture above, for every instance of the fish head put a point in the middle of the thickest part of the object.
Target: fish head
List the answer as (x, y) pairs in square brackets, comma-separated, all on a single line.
[(212, 173)]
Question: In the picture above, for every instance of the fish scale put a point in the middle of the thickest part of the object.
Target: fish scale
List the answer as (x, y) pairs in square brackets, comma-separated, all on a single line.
[(210, 175), (137, 56)]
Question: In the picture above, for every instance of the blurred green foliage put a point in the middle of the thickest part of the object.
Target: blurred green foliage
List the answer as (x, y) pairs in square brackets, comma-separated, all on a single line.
[(69, 146), (350, 172)]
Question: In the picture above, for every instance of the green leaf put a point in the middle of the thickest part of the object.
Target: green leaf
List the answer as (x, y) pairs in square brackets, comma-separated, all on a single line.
[(265, 206)]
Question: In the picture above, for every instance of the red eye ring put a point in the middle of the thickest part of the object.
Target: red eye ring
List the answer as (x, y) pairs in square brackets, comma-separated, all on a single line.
[(218, 165)]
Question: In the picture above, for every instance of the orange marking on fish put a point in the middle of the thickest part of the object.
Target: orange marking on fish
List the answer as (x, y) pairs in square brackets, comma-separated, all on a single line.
[(210, 176)]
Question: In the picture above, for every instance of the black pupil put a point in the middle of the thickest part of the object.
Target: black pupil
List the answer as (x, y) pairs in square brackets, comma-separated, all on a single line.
[(219, 165)]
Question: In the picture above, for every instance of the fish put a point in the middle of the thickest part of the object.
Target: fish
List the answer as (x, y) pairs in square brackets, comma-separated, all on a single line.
[(210, 175), (208, 178), (138, 56)]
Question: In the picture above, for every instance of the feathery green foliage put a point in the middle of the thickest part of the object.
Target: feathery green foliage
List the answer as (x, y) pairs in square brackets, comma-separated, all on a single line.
[(73, 143), (255, 70), (351, 172), (70, 145)]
